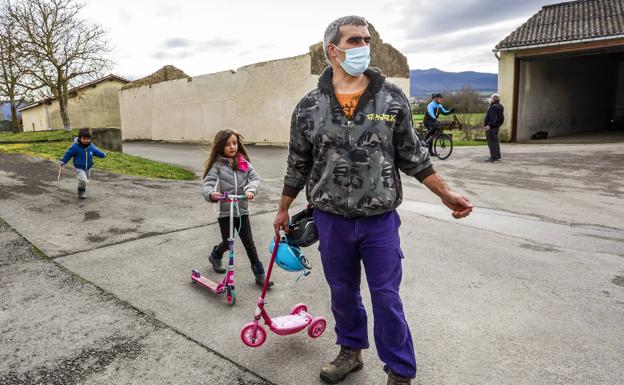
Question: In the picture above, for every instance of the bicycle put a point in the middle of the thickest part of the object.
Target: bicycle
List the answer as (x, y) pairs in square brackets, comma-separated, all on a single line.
[(439, 144)]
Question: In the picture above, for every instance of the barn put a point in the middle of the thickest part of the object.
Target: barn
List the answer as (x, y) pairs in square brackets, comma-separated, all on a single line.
[(562, 72)]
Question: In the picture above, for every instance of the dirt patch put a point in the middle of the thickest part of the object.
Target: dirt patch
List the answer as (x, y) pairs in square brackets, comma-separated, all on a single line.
[(618, 280), (148, 184), (137, 220), (91, 216), (96, 239), (539, 248), (116, 231)]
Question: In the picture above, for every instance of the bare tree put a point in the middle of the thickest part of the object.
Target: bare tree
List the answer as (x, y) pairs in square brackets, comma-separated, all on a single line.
[(12, 67), (466, 101), (62, 48)]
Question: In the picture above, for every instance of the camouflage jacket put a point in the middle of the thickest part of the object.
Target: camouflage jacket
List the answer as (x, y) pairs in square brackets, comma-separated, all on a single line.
[(351, 167)]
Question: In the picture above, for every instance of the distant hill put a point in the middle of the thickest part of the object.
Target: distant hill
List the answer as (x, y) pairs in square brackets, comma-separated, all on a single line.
[(424, 82)]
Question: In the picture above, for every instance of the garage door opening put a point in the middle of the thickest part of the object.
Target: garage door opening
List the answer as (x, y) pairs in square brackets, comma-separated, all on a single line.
[(580, 94)]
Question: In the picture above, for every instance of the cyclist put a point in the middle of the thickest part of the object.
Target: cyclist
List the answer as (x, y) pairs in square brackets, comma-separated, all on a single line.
[(430, 121)]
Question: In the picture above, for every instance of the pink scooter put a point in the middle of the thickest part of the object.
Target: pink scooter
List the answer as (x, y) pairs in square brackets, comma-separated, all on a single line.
[(253, 334), (227, 284)]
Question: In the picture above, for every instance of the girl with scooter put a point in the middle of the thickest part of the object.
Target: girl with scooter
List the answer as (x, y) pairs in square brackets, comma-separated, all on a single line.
[(228, 170)]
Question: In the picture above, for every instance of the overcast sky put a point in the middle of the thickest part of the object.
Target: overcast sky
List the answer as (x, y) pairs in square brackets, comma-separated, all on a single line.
[(203, 36)]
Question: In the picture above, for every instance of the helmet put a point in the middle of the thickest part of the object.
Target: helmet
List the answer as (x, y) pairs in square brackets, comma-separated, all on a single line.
[(436, 95), (302, 230), (289, 258)]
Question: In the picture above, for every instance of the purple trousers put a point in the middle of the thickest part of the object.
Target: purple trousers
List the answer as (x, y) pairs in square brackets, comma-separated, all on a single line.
[(345, 245)]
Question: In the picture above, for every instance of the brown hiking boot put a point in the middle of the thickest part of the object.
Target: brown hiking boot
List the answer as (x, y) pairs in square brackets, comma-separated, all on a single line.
[(348, 360), (393, 379)]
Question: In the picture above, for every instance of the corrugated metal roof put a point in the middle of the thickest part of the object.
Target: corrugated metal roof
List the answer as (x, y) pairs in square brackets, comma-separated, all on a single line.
[(567, 22)]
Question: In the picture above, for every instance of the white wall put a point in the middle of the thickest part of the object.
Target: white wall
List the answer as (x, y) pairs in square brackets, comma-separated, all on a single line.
[(256, 100), (505, 89)]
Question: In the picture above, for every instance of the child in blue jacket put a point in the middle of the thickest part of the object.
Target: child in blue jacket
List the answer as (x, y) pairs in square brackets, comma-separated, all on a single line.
[(82, 151)]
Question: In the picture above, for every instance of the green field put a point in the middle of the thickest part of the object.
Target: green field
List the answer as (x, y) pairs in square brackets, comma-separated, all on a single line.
[(115, 162), (473, 118)]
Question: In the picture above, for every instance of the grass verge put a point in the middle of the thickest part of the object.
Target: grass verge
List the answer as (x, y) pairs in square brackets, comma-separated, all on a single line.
[(472, 118), (38, 136), (115, 162)]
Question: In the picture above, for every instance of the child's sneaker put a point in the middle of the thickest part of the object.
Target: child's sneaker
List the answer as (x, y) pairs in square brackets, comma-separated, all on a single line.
[(82, 193), (216, 262)]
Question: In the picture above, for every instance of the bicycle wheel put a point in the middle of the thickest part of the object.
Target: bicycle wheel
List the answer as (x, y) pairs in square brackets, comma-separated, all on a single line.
[(443, 146)]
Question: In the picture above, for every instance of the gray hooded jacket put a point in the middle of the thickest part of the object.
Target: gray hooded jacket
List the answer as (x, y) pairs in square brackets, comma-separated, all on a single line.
[(222, 178), (351, 167)]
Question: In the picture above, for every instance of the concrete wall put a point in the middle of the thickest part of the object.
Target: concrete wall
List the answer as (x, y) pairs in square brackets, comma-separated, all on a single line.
[(95, 106), (506, 91), (256, 100), (565, 96)]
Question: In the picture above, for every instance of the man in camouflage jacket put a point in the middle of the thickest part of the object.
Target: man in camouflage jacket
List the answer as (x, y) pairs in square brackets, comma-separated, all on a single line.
[(348, 140)]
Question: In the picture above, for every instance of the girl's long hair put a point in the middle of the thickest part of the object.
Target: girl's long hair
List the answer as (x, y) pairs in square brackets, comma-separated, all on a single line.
[(218, 145)]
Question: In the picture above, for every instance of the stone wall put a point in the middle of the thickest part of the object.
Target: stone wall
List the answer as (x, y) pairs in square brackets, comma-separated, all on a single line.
[(107, 138)]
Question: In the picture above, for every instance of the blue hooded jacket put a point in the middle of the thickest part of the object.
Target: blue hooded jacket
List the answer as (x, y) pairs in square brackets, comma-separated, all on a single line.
[(83, 156)]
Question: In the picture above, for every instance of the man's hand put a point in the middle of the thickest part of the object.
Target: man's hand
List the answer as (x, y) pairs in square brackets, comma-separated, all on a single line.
[(250, 196), (282, 218), (460, 205), (281, 221), (486, 128)]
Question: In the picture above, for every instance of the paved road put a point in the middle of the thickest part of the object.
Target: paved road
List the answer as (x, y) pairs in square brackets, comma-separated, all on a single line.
[(528, 290)]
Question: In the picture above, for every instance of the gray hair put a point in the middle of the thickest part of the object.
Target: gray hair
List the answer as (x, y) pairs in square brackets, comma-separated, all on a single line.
[(494, 98), (332, 33)]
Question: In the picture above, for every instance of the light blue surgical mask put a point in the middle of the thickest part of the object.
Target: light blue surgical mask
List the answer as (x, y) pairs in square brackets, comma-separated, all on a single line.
[(356, 61)]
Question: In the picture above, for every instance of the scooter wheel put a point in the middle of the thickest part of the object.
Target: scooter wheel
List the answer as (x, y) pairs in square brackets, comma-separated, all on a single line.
[(317, 327), (195, 274), (298, 308), (249, 339), (230, 296)]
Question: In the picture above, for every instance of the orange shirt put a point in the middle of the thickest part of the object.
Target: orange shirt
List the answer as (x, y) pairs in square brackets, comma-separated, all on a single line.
[(348, 102)]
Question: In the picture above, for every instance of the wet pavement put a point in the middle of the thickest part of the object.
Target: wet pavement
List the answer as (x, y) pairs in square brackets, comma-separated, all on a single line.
[(528, 290)]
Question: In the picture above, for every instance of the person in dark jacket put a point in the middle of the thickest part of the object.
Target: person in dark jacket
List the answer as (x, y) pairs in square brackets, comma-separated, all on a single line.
[(493, 120), (348, 140), (82, 151)]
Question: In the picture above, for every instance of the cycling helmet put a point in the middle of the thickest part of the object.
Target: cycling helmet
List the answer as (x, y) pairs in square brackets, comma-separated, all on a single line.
[(289, 258), (302, 230), (436, 95)]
